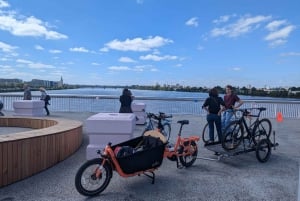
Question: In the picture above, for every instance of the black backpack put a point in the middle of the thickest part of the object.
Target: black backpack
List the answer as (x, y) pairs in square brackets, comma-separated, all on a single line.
[(47, 98)]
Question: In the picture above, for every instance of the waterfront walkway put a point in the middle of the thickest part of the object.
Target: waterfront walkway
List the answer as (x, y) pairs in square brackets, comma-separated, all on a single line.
[(235, 178)]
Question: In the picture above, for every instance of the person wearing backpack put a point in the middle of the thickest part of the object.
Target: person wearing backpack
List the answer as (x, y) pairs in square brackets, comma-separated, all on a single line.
[(45, 97)]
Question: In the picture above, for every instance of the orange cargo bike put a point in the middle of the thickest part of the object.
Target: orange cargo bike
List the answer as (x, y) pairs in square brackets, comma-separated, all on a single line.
[(139, 156)]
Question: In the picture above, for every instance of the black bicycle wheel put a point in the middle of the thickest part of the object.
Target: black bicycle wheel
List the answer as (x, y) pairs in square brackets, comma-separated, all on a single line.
[(86, 181), (166, 131), (188, 161), (261, 130), (263, 150), (233, 135), (1, 114), (205, 134)]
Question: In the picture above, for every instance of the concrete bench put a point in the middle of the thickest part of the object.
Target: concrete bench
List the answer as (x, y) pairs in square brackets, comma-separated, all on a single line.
[(108, 127), (139, 110), (29, 108)]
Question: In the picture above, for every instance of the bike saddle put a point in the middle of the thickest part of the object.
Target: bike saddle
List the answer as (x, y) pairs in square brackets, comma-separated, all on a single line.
[(183, 122)]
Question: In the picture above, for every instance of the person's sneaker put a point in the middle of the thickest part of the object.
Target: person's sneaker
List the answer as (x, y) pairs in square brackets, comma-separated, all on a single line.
[(210, 141)]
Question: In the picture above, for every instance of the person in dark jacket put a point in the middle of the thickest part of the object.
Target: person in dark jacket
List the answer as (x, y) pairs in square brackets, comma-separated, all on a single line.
[(44, 98), (214, 105), (126, 99), (27, 92)]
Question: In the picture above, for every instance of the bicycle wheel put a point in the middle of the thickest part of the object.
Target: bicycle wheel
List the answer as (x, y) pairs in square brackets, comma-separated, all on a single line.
[(166, 131), (86, 181), (233, 135), (261, 130), (263, 150), (205, 134), (188, 161)]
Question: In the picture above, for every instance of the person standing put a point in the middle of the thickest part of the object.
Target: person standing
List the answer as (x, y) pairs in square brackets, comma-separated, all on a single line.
[(126, 99), (214, 106), (45, 99), (27, 92), (230, 100)]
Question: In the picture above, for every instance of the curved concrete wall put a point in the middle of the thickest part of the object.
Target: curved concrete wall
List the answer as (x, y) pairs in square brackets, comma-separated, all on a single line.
[(24, 154)]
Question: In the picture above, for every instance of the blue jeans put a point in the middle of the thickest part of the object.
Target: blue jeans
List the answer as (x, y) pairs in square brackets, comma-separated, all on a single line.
[(226, 118), (214, 119)]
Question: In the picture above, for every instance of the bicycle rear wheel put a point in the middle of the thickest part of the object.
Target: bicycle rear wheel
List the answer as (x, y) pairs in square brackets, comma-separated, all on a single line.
[(205, 134), (263, 150), (233, 135), (189, 160), (262, 130)]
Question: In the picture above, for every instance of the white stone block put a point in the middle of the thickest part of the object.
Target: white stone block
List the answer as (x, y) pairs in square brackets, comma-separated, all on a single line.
[(103, 128), (28, 107), (137, 107), (114, 123)]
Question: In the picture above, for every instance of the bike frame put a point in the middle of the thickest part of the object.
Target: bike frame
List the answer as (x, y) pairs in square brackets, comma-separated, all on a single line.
[(252, 125), (181, 142)]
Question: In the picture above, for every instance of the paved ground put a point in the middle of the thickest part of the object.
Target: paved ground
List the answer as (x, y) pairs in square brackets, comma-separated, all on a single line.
[(235, 178)]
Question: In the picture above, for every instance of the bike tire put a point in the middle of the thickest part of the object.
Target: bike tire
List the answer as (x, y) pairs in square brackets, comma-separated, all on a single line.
[(188, 161), (85, 177), (261, 130), (233, 135), (1, 114), (167, 131), (205, 134), (263, 150)]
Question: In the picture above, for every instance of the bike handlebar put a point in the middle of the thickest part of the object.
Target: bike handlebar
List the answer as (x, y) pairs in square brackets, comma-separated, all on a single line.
[(160, 116)]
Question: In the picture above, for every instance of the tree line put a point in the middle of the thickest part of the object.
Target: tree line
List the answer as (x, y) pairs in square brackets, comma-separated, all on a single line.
[(292, 92)]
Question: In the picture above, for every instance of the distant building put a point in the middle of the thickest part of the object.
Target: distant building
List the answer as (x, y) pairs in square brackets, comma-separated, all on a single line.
[(7, 82)]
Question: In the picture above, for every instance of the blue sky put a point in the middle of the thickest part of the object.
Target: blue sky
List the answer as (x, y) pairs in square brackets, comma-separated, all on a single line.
[(126, 42)]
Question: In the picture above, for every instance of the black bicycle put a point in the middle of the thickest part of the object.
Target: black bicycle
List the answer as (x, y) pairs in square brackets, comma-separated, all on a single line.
[(254, 134), (161, 122)]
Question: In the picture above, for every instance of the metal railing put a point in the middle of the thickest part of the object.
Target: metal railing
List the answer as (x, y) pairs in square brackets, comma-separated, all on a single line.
[(94, 103)]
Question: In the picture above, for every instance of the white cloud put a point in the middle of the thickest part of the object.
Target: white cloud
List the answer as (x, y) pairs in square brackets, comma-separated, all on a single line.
[(222, 19), (78, 49), (33, 65), (274, 25), (6, 47), (137, 44), (280, 34), (104, 49), (119, 68), (242, 26), (126, 60), (192, 22), (4, 4), (157, 58), (23, 61), (236, 68), (38, 47), (96, 64), (55, 51), (290, 54), (27, 26)]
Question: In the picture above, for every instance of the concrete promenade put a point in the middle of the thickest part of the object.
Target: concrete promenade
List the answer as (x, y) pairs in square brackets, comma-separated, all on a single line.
[(239, 177)]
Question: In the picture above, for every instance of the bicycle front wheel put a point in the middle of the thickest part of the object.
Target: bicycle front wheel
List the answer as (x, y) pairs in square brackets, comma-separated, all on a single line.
[(205, 134), (189, 160), (261, 130), (233, 135), (166, 131), (86, 181)]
